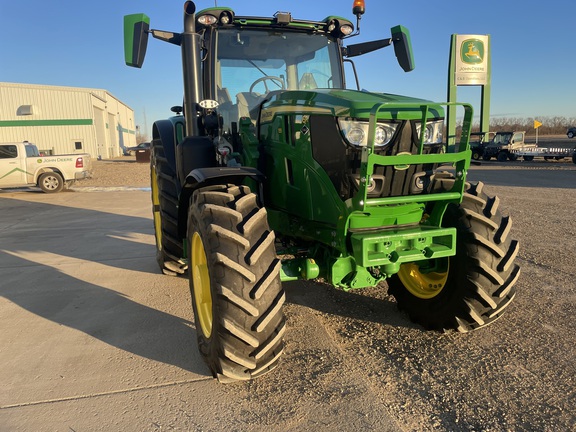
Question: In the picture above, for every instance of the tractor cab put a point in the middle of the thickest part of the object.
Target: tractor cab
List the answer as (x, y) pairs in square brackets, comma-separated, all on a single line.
[(238, 62)]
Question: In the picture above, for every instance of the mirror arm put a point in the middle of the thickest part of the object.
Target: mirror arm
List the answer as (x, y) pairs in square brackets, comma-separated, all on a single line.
[(171, 37), (365, 47)]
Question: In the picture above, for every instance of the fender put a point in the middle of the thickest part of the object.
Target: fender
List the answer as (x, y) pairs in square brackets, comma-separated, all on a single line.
[(201, 177), (166, 132)]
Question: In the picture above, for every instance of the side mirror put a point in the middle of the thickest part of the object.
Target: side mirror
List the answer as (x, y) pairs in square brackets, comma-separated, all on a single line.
[(403, 47), (136, 29)]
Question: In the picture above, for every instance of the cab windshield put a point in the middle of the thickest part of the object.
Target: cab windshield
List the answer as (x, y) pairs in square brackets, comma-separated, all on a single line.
[(502, 138), (250, 64)]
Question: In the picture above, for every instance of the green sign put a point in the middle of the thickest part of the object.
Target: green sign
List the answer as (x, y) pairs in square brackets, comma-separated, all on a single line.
[(471, 60)]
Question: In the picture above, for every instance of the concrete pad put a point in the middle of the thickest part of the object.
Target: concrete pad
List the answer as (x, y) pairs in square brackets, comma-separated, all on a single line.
[(95, 338), (76, 289)]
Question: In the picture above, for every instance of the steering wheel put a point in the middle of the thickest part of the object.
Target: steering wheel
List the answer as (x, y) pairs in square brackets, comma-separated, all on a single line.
[(267, 78)]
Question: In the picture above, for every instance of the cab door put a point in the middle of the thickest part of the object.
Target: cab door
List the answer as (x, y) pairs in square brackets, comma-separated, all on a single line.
[(12, 166), (518, 138)]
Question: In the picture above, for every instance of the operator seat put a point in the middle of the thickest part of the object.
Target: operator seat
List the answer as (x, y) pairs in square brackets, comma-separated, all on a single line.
[(248, 104)]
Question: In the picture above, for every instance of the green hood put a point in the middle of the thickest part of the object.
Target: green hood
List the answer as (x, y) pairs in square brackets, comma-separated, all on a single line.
[(349, 103)]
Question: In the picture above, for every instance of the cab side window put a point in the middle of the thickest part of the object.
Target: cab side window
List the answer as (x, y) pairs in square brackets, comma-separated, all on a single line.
[(8, 151)]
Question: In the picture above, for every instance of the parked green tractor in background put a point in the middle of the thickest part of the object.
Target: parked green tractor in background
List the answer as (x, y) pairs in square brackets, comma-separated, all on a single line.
[(278, 172)]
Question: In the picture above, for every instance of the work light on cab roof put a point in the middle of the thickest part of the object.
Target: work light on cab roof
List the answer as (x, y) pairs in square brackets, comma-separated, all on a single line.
[(222, 16)]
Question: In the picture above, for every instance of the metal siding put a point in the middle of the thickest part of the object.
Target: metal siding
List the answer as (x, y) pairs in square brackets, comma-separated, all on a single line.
[(113, 134), (100, 128), (70, 104)]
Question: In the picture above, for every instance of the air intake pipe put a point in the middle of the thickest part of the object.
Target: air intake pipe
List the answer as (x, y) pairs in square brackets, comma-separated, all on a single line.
[(191, 61)]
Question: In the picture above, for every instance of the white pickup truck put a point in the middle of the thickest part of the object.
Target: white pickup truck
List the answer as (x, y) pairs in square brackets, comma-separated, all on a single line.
[(22, 165)]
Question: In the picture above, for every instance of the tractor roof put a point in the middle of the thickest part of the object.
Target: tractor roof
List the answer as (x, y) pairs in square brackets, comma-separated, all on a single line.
[(225, 17)]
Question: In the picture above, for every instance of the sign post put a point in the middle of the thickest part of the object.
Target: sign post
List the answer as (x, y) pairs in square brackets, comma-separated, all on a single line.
[(537, 124), (469, 65)]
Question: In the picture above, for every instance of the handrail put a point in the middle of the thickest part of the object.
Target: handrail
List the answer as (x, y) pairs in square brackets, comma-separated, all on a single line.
[(459, 158)]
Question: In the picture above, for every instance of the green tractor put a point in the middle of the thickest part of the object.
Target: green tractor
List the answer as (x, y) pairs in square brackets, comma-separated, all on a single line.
[(276, 171)]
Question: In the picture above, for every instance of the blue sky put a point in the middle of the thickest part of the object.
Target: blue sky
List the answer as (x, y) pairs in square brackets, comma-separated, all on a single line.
[(77, 43)]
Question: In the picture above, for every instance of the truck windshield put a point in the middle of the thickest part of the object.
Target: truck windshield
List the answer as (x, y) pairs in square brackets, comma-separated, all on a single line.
[(252, 63)]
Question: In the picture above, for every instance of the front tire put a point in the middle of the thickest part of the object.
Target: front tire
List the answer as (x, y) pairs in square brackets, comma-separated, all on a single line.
[(237, 295), (471, 289), (51, 182)]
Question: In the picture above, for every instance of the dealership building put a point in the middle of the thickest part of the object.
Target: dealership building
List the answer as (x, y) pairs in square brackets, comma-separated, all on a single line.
[(63, 120)]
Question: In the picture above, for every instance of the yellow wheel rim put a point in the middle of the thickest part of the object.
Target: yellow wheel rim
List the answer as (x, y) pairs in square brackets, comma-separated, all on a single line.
[(422, 285), (201, 285), (156, 208)]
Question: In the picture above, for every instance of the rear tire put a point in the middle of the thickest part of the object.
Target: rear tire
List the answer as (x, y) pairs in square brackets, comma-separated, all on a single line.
[(237, 295), (164, 185), (502, 157), (51, 182), (479, 281)]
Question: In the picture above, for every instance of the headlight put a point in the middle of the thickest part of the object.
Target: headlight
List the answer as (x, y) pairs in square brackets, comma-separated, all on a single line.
[(433, 131), (356, 132)]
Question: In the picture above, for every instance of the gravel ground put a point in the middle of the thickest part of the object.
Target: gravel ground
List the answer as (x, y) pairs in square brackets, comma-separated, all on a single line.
[(516, 375), (124, 171)]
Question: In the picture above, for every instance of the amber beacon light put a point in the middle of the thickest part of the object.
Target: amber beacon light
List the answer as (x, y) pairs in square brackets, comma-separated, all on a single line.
[(358, 7)]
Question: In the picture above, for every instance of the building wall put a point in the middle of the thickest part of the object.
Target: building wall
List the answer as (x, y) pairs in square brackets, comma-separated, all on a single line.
[(62, 120)]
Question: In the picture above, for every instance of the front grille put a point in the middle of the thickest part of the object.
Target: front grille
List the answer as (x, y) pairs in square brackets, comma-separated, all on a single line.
[(342, 162)]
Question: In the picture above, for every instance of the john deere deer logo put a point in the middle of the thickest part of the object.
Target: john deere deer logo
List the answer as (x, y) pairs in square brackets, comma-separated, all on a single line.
[(472, 51)]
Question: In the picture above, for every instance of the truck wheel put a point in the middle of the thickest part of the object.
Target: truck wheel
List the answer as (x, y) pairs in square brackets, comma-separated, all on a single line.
[(502, 157), (476, 155), (164, 186), (51, 182), (570, 134), (471, 289), (237, 295), (528, 158)]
